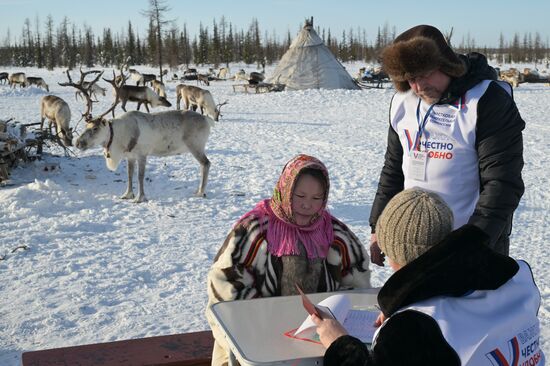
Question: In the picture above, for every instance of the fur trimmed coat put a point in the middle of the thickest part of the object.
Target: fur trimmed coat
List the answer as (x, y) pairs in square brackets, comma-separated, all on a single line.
[(244, 269)]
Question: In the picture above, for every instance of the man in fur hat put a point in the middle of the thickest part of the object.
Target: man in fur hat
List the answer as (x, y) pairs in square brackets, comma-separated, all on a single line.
[(454, 130)]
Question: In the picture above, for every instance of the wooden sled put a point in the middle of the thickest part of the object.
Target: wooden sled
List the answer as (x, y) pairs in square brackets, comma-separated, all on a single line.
[(372, 83), (258, 88)]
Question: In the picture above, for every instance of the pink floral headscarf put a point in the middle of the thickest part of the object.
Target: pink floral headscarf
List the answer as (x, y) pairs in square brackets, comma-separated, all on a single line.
[(281, 202), (283, 234)]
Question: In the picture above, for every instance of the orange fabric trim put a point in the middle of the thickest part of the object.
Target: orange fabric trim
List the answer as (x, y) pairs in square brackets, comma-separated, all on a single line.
[(345, 255), (253, 251)]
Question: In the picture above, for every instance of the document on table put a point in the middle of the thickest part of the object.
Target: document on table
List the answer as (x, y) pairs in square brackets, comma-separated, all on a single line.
[(360, 324)]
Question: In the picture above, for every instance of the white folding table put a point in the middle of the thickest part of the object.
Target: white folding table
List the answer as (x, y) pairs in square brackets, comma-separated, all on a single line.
[(255, 328)]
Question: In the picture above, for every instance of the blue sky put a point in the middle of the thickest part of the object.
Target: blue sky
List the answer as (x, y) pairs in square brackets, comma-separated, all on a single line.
[(483, 20)]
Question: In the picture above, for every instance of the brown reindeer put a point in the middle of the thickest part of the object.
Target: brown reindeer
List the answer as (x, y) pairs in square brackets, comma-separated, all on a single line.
[(512, 76), (202, 79), (141, 95), (39, 82), (93, 90)]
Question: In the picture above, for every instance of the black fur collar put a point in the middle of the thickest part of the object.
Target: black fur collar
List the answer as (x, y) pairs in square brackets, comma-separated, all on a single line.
[(462, 262)]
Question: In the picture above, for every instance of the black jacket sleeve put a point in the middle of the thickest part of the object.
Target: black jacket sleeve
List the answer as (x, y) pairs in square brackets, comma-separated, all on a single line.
[(499, 146), (414, 339), (346, 351), (391, 179), (408, 338)]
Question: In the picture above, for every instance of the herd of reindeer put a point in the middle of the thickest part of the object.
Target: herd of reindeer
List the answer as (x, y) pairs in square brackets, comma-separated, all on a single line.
[(134, 135)]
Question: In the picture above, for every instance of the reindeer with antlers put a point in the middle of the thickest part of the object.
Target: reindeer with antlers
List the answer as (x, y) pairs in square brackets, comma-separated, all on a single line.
[(136, 135), (194, 97), (57, 111)]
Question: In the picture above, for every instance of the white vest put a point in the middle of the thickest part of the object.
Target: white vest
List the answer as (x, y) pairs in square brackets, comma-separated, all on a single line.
[(449, 139), (491, 328)]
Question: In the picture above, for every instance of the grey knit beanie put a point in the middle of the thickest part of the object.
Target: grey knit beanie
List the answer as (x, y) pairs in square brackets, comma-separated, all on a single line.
[(413, 221)]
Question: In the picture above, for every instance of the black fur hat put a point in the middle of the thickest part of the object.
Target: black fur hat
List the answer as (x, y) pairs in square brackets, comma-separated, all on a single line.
[(419, 50)]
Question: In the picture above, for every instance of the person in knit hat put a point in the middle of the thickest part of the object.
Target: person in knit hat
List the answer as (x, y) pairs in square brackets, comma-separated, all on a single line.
[(452, 300), (454, 129), (414, 221), (290, 238)]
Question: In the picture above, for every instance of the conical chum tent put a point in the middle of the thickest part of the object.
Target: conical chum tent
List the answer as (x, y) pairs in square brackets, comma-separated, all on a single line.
[(309, 64)]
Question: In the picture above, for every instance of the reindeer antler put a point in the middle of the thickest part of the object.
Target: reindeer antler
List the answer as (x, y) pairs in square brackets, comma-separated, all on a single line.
[(219, 108), (84, 89), (117, 82)]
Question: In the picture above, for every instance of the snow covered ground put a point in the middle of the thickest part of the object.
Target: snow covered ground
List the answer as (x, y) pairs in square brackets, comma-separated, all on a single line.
[(100, 269)]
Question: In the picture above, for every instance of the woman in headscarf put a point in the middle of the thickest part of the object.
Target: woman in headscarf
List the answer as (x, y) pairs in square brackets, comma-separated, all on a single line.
[(285, 240)]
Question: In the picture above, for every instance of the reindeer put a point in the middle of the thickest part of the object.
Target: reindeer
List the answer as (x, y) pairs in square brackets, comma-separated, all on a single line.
[(222, 73), (18, 78), (240, 75), (158, 87), (58, 112), (141, 79), (93, 90), (136, 135), (148, 78), (84, 87), (194, 97), (141, 95), (136, 76), (202, 79), (4, 76), (512, 76), (39, 82)]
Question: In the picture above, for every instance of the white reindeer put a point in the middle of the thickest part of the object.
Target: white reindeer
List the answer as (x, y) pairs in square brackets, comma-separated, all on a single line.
[(222, 73), (159, 88), (140, 78), (136, 76), (240, 75), (58, 112), (18, 78), (136, 135), (194, 97)]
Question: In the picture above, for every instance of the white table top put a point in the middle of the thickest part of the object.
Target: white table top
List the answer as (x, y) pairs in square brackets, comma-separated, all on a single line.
[(255, 328)]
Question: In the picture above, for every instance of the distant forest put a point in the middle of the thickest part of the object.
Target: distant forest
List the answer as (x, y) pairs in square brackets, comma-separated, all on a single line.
[(68, 45)]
